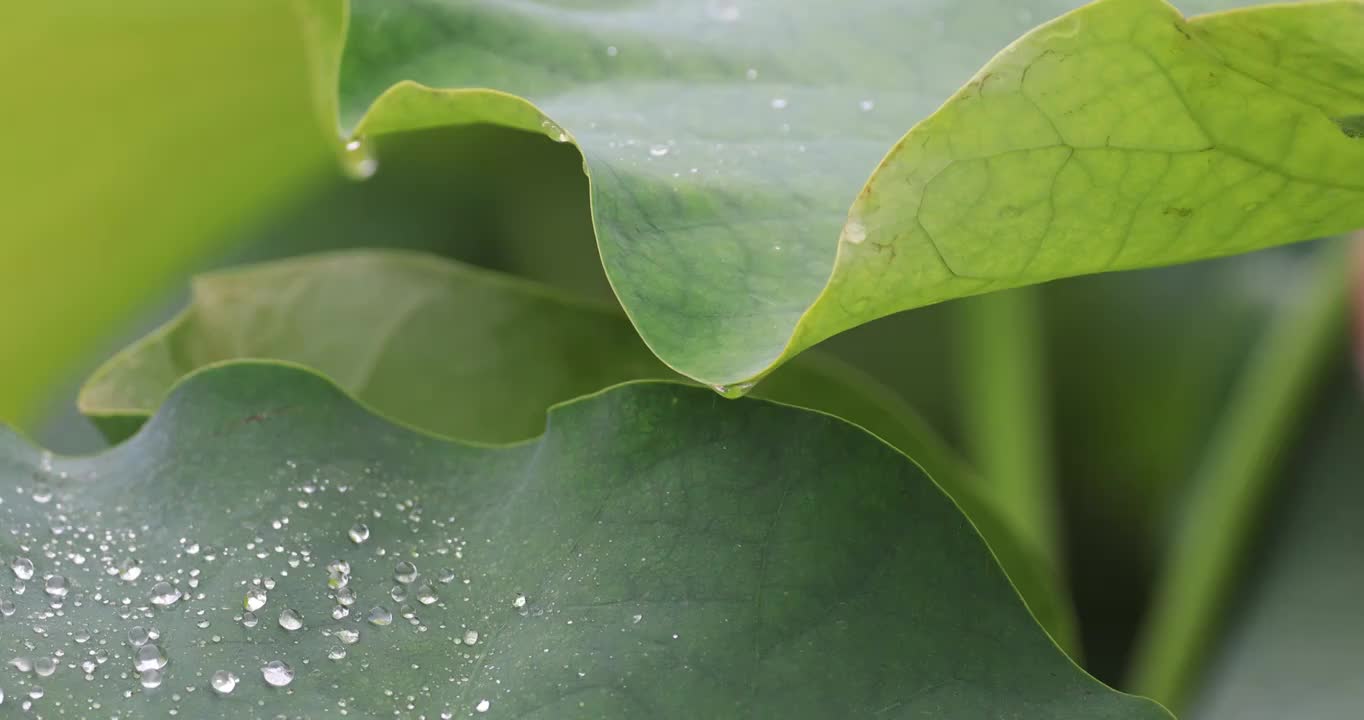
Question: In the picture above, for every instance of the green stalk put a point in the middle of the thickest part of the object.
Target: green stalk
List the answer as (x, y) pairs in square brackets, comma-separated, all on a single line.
[(1005, 413), (1234, 479)]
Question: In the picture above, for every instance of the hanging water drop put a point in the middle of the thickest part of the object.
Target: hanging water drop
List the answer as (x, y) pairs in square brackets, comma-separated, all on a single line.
[(358, 162), (277, 673)]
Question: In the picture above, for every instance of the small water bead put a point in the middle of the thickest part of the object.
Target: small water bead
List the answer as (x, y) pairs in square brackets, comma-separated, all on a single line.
[(751, 73), (22, 664), (867, 105), (42, 493), (483, 705), (35, 693), (611, 51), (290, 620), (446, 576), (44, 666), (164, 594), (336, 653), (398, 593), (138, 636), (470, 637), (340, 567), (56, 586), (426, 594), (22, 567), (345, 596), (249, 620), (88, 667), (348, 637), (658, 150), (380, 616), (277, 673), (129, 570), (779, 103), (255, 599), (223, 682), (149, 657), (151, 678), (359, 532), (7, 607), (340, 612), (269, 583), (519, 602), (404, 572)]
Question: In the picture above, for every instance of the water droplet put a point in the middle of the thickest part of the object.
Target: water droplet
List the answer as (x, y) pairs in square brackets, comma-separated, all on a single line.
[(519, 602), (22, 664), (22, 567), (658, 150), (737, 390), (42, 493), (345, 596), (255, 599), (470, 637), (44, 666), (359, 532), (138, 636), (290, 620), (340, 567), (554, 132), (426, 594), (380, 616), (348, 636), (723, 10), (129, 570), (56, 586), (277, 673), (611, 51), (751, 73), (88, 666), (483, 705), (635, 619), (340, 612), (404, 572), (336, 653), (7, 607), (854, 232), (223, 682), (149, 657), (358, 162), (249, 620), (779, 103), (867, 105), (164, 595), (151, 678)]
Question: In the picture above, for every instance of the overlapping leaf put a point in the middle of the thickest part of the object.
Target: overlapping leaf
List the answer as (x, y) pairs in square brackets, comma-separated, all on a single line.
[(726, 142)]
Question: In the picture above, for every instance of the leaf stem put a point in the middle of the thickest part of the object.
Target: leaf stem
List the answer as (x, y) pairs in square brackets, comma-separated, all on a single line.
[(1234, 478)]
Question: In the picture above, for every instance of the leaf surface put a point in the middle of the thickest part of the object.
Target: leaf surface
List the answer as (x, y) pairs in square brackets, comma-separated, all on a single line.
[(703, 559)]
